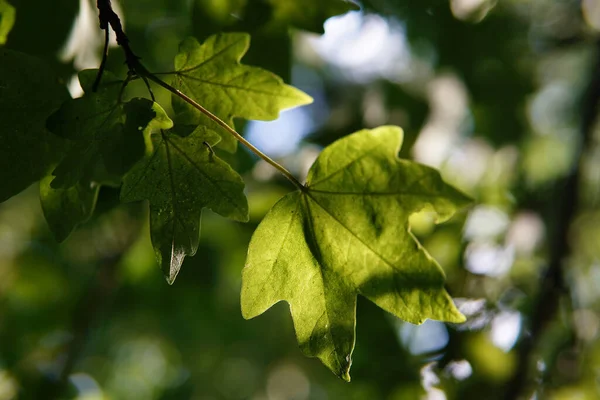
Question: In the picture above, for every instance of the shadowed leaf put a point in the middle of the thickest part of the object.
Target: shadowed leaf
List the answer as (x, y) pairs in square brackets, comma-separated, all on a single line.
[(309, 15), (106, 134), (29, 93), (179, 177), (64, 209)]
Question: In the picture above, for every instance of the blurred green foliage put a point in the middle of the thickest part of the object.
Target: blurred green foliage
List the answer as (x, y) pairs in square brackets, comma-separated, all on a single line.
[(490, 92)]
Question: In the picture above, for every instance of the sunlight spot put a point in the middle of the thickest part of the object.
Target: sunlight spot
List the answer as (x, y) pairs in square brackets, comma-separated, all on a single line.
[(8, 386), (85, 42), (471, 10), (282, 136), (460, 370), (486, 222), (426, 338), (505, 329), (87, 387), (526, 233), (365, 47), (428, 376), (591, 13), (587, 324), (490, 259), (288, 381), (449, 101)]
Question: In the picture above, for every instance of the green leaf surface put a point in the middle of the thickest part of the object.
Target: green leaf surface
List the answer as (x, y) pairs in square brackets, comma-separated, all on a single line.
[(7, 20), (179, 177), (211, 74), (29, 93), (348, 234), (106, 133), (64, 209), (309, 14)]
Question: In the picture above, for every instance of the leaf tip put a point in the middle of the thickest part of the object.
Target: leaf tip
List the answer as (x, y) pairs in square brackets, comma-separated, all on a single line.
[(304, 98), (246, 314), (457, 317), (170, 278), (345, 371), (171, 268)]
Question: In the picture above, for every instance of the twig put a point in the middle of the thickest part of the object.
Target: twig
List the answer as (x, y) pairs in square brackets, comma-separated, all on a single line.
[(229, 129), (109, 18), (103, 63), (553, 285)]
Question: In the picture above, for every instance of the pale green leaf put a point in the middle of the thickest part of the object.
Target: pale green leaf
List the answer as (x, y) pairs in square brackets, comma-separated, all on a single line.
[(179, 177), (29, 93), (64, 209), (106, 133), (7, 20), (348, 234), (211, 74)]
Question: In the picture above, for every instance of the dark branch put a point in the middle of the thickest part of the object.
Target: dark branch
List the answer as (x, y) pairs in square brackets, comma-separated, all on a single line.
[(109, 19), (103, 63)]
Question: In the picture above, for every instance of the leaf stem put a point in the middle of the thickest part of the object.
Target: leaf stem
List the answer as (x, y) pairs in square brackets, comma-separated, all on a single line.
[(140, 69), (109, 17)]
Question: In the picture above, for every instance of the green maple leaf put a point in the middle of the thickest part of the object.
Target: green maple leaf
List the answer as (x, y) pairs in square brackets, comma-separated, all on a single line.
[(179, 176), (29, 93), (7, 20), (64, 209), (106, 133), (309, 15), (211, 74), (348, 234)]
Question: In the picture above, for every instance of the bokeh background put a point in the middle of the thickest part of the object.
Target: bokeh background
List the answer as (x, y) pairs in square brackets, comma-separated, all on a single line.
[(500, 95)]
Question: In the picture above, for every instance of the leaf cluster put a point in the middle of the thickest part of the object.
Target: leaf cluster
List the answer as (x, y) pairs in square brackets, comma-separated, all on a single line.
[(344, 232)]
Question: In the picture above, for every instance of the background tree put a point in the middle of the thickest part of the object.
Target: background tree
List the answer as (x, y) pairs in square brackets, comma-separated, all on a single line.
[(500, 96)]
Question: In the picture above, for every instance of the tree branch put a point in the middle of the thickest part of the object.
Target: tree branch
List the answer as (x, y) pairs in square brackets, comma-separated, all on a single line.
[(109, 18)]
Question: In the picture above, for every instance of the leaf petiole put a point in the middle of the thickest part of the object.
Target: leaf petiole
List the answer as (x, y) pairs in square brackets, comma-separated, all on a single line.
[(142, 71)]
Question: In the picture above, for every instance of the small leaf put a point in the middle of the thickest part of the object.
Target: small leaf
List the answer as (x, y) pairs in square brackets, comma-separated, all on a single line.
[(64, 209), (179, 177), (106, 134), (212, 75), (309, 14), (7, 20), (29, 93), (348, 234)]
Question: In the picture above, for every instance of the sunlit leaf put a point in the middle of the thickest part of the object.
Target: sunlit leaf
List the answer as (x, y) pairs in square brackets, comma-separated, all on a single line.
[(7, 19), (179, 177), (29, 93), (348, 234), (211, 74)]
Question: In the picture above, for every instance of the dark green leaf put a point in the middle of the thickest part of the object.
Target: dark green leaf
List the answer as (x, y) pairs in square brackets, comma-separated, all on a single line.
[(179, 177), (348, 234), (50, 23), (29, 93), (212, 75), (309, 14), (107, 134), (64, 209)]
